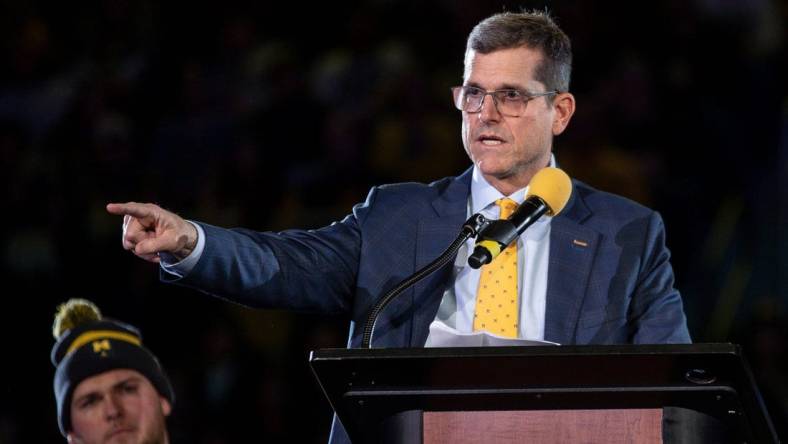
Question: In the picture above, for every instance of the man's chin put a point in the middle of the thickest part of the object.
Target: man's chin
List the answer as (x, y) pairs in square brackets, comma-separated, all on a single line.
[(493, 170), (122, 437), (503, 169)]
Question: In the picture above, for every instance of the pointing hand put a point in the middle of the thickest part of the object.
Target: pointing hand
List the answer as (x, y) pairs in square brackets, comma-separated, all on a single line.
[(149, 230)]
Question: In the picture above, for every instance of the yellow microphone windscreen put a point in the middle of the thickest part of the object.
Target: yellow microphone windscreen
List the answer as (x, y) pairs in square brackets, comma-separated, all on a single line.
[(553, 186)]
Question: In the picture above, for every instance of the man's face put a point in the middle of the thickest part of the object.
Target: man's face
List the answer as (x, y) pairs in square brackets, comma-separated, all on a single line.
[(118, 406), (510, 150)]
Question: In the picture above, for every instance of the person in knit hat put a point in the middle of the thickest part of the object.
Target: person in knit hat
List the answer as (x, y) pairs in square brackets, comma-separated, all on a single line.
[(108, 386)]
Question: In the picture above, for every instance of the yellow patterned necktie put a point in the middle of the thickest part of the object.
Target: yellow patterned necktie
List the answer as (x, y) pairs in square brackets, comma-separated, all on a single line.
[(497, 308)]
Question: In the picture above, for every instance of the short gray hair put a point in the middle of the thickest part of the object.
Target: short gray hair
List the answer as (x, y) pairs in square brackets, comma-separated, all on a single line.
[(534, 29)]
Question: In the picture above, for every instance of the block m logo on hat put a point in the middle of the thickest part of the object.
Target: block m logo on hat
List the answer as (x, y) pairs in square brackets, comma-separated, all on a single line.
[(101, 346)]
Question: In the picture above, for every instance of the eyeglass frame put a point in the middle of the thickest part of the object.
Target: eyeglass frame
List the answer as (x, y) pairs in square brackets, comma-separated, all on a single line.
[(527, 97)]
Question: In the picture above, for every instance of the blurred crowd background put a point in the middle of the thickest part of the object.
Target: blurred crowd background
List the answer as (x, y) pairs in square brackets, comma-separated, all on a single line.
[(273, 115)]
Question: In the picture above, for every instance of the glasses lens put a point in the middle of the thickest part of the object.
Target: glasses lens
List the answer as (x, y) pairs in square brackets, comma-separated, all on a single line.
[(510, 102), (464, 98), (458, 97), (472, 99)]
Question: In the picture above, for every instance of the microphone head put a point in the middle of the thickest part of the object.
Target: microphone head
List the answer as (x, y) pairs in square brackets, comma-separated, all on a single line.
[(553, 186)]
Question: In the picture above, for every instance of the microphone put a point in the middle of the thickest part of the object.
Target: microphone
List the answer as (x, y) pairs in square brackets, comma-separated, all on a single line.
[(548, 193)]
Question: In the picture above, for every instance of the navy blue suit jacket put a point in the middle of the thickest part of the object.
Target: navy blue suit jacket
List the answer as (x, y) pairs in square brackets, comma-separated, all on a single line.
[(609, 278)]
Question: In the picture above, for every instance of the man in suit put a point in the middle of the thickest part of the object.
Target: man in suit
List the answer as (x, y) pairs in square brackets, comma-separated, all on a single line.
[(597, 273)]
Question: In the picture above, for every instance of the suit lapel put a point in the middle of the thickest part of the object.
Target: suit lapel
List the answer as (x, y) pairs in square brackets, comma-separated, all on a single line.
[(435, 233), (572, 250)]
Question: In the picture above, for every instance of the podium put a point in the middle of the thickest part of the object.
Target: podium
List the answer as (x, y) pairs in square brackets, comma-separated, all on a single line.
[(582, 393)]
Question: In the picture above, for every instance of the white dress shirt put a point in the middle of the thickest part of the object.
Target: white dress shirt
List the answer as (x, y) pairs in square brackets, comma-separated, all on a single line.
[(533, 252)]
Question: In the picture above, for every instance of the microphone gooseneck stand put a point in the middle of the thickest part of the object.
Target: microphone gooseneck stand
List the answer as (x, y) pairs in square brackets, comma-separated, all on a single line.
[(470, 228)]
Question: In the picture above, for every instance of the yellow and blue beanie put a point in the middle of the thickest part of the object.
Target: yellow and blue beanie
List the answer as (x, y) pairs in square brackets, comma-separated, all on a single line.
[(88, 345)]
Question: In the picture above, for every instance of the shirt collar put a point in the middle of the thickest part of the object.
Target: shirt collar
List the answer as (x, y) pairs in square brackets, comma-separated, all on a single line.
[(483, 194)]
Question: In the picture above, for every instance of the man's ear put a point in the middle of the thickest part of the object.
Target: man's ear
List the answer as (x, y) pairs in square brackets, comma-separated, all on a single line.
[(564, 105), (166, 408), (71, 438)]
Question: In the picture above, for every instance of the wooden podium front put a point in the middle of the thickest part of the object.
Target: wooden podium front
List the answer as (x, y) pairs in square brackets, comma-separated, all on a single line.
[(611, 426), (623, 393)]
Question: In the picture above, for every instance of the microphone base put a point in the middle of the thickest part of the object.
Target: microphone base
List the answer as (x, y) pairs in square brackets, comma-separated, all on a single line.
[(480, 256)]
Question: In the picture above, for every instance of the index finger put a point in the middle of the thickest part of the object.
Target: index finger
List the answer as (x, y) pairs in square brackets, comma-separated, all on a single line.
[(134, 209)]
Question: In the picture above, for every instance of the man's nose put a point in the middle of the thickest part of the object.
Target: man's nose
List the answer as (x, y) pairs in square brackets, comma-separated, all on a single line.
[(113, 408), (489, 111)]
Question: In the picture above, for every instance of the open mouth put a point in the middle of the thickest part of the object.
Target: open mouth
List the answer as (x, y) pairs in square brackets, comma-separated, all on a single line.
[(490, 140)]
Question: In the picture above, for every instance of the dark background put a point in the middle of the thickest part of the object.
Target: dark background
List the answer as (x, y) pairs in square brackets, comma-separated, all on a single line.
[(282, 115)]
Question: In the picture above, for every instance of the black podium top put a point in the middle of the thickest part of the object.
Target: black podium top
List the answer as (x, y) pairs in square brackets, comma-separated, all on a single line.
[(366, 386)]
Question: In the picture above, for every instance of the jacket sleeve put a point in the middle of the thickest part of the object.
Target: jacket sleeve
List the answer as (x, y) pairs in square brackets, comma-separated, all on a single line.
[(656, 312), (304, 270)]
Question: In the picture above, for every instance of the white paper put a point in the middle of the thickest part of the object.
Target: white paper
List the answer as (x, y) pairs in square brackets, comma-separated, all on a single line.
[(441, 335)]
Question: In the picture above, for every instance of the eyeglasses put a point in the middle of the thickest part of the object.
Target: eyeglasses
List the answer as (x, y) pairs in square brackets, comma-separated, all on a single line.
[(509, 102)]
